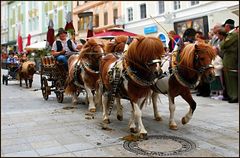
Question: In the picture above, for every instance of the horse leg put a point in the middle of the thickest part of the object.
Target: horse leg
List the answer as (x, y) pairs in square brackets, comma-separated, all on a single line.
[(26, 82), (188, 98), (75, 98), (172, 123), (138, 117), (105, 107), (20, 78), (91, 106), (119, 109), (131, 124), (155, 109), (30, 83)]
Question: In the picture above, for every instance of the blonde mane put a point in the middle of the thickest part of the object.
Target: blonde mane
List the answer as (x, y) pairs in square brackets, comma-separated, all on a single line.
[(188, 53), (25, 66), (143, 49)]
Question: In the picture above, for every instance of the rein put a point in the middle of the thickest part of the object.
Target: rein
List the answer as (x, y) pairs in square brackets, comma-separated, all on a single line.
[(181, 80)]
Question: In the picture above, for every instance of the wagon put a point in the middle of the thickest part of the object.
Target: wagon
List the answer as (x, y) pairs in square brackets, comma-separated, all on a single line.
[(12, 73), (53, 77)]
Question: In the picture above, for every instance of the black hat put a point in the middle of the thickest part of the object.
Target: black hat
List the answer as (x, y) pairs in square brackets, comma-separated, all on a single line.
[(60, 31), (229, 21)]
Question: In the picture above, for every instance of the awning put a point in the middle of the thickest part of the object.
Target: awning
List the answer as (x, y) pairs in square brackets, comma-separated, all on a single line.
[(37, 46), (114, 32)]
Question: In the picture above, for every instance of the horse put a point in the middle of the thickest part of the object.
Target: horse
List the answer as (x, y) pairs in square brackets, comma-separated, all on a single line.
[(189, 65), (117, 47), (26, 72), (84, 72), (136, 71)]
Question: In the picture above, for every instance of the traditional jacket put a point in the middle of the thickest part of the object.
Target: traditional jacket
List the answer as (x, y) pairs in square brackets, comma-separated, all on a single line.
[(230, 49)]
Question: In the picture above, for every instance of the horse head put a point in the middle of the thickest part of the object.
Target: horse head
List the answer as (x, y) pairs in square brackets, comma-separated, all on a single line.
[(92, 51), (31, 68), (117, 45), (199, 57), (144, 54)]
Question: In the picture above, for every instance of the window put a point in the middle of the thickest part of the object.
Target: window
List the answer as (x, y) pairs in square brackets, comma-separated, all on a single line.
[(55, 19), (96, 20), (194, 2), (143, 11), (83, 23), (161, 7), (105, 18), (115, 15), (77, 3), (176, 5), (130, 14)]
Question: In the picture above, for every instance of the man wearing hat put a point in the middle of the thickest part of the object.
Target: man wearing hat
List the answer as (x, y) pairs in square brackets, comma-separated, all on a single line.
[(230, 60), (63, 48)]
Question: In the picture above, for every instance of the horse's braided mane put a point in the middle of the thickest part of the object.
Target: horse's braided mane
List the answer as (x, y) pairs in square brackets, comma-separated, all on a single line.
[(188, 53), (144, 49)]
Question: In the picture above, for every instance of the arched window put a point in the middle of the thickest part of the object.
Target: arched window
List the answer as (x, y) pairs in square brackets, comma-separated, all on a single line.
[(163, 38)]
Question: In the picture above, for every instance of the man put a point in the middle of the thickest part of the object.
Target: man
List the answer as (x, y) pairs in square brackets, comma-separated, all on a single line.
[(215, 41), (230, 60), (174, 39), (63, 48)]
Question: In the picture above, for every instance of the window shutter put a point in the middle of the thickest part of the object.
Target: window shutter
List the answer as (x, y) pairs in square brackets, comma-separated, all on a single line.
[(60, 18)]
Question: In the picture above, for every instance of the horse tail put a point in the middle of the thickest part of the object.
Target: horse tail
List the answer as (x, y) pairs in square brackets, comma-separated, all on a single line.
[(70, 87)]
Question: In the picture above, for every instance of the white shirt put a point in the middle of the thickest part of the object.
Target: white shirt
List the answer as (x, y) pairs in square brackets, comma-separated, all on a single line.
[(218, 65), (65, 47)]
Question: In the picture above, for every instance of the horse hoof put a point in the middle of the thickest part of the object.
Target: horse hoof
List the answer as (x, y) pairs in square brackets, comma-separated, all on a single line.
[(143, 136), (75, 102), (107, 121), (119, 117), (158, 118), (92, 110), (173, 127), (184, 121), (133, 130)]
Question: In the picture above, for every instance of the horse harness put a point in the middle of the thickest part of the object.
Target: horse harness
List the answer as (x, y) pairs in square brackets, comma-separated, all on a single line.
[(80, 66), (176, 68), (128, 73)]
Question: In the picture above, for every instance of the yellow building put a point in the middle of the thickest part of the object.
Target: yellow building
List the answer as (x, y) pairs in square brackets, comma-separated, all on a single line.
[(104, 15)]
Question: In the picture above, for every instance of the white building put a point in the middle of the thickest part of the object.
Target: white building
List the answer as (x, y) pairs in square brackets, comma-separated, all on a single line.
[(177, 15), (4, 25)]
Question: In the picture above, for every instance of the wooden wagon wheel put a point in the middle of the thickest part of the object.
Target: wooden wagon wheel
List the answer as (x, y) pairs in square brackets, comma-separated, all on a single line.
[(3, 79), (45, 88), (59, 91)]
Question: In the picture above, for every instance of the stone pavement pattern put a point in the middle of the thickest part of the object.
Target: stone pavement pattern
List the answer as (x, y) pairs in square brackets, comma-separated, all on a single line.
[(31, 126)]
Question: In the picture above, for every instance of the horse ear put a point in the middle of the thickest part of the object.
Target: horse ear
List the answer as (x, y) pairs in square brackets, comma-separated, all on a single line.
[(140, 38)]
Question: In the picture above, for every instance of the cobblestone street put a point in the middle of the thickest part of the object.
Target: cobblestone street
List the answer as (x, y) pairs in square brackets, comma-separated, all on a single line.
[(31, 126)]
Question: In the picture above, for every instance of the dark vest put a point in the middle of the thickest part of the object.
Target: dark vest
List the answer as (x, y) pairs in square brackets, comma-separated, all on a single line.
[(60, 47)]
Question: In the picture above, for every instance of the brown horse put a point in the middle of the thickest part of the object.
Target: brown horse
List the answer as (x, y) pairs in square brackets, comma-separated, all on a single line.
[(116, 47), (84, 72), (138, 69), (26, 72), (189, 66)]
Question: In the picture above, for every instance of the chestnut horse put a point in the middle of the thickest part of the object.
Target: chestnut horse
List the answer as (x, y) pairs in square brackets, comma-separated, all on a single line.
[(26, 72), (138, 70), (188, 66), (84, 72), (116, 47)]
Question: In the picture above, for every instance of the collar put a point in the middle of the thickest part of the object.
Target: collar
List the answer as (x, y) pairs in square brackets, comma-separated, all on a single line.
[(231, 31)]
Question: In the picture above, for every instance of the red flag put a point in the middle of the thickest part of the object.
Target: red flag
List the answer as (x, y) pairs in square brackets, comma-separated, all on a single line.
[(28, 40), (50, 36), (20, 44)]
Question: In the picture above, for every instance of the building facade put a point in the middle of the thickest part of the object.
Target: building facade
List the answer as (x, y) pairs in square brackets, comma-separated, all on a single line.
[(30, 17), (176, 15), (102, 14), (4, 25)]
